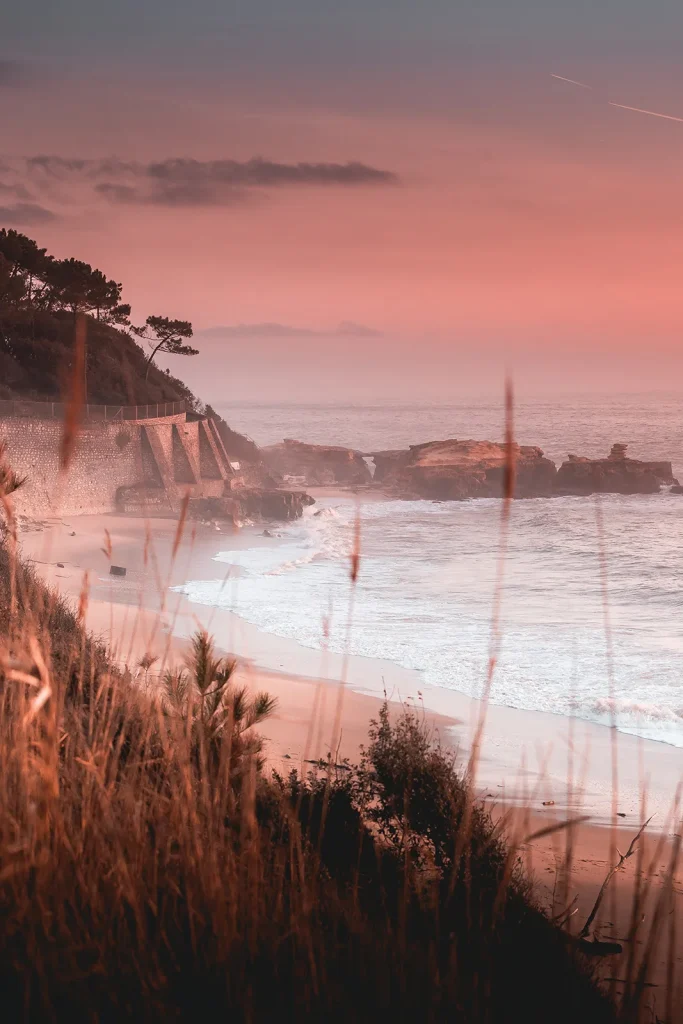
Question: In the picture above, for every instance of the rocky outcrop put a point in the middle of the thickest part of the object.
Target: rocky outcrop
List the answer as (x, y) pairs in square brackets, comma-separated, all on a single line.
[(452, 470), (616, 474), (273, 504), (386, 463), (316, 465), (252, 503)]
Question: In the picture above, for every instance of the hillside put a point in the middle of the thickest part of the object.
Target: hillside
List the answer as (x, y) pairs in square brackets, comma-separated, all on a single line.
[(36, 356), (40, 298), (153, 870)]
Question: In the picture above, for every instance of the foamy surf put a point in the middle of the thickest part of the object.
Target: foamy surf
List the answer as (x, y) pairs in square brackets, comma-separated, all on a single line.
[(425, 592)]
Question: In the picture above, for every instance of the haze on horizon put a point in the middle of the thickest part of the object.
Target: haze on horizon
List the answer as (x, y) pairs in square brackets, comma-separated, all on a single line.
[(413, 173)]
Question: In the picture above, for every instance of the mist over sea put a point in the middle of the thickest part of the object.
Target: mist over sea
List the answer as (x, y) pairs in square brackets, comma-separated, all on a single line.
[(651, 424), (428, 569)]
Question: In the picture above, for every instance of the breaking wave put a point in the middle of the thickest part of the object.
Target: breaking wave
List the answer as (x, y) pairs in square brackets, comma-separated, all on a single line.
[(425, 591)]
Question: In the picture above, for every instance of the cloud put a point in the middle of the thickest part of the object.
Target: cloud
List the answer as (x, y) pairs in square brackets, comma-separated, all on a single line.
[(16, 191), (266, 173), (347, 328), (116, 193), (24, 215), (183, 182)]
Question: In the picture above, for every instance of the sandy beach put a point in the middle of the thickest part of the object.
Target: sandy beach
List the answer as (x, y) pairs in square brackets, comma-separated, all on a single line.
[(527, 757)]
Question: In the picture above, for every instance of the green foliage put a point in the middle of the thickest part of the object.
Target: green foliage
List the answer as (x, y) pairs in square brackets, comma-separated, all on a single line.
[(73, 285), (22, 262), (38, 299), (31, 279), (436, 880), (166, 335), (410, 789), (216, 711)]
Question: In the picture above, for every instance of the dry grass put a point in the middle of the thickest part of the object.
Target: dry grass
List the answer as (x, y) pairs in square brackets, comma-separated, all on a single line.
[(148, 868)]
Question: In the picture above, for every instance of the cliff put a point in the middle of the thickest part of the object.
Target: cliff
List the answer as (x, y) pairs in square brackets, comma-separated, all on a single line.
[(121, 461), (616, 474), (315, 465), (455, 469)]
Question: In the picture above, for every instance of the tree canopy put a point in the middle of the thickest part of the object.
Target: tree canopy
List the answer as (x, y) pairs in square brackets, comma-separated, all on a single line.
[(166, 335), (31, 279), (37, 290)]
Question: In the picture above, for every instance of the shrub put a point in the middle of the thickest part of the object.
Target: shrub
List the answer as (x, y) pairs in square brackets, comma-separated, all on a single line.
[(150, 870)]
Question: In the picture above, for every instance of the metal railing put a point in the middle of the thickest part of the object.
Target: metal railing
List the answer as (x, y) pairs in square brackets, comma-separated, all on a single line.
[(55, 410)]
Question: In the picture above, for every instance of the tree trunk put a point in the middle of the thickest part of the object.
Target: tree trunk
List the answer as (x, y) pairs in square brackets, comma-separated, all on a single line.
[(149, 361)]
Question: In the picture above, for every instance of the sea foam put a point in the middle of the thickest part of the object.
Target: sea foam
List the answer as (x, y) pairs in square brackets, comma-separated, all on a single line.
[(425, 591)]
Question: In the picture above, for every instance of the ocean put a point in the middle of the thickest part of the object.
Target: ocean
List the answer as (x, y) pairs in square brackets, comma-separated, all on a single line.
[(425, 590)]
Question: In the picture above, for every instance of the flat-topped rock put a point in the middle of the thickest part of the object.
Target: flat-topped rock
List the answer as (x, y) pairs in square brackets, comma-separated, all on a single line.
[(453, 469), (317, 465), (615, 474)]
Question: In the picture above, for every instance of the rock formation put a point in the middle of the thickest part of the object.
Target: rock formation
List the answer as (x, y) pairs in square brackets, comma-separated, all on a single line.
[(252, 503), (454, 469), (616, 474), (317, 465), (476, 469)]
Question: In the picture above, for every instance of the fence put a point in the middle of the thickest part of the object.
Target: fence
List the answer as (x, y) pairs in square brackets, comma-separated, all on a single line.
[(56, 410)]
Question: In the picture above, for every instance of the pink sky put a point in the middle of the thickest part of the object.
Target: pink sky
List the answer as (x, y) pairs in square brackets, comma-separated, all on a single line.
[(534, 227)]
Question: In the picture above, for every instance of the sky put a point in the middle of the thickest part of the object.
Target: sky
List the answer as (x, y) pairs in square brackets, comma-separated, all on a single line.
[(379, 198)]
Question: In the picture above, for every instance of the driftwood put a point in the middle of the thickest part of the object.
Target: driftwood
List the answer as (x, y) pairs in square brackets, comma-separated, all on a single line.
[(561, 919), (322, 764), (594, 948)]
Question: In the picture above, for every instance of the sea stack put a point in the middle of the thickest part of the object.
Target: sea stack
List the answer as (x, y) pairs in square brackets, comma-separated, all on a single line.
[(615, 474), (455, 470)]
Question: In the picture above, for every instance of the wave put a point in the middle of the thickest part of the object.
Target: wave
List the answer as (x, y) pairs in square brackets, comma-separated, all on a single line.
[(425, 589)]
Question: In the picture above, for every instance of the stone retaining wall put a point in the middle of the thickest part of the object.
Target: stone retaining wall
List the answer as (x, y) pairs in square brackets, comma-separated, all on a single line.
[(110, 456)]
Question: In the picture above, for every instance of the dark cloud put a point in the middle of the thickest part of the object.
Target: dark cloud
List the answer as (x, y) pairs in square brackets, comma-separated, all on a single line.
[(16, 191), (347, 328), (117, 193), (65, 168), (184, 182), (265, 173), (24, 215), (170, 194)]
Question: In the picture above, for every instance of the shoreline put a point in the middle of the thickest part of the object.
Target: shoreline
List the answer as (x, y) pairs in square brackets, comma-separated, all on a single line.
[(526, 755), (133, 613)]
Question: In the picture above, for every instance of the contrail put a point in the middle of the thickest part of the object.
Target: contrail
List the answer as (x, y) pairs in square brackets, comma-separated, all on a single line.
[(572, 81), (639, 110), (622, 106)]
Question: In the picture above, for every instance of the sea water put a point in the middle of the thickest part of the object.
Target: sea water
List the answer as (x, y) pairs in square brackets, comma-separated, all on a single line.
[(591, 621)]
